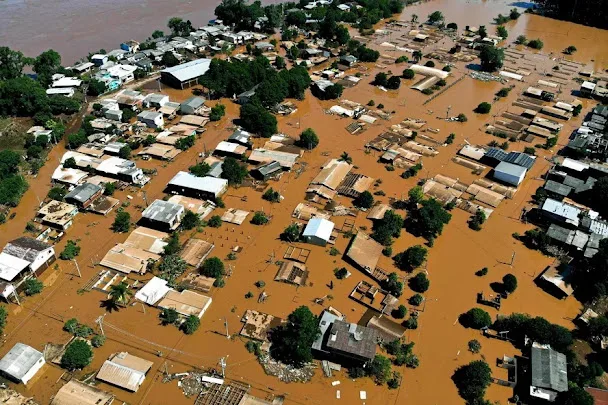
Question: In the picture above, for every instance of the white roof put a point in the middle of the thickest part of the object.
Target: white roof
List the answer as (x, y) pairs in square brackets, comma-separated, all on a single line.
[(588, 85), (429, 71), (320, 228), (153, 291), (71, 176), (574, 165), (567, 211), (11, 266), (149, 115), (229, 147), (189, 70), (207, 183), (67, 82), (20, 360), (511, 75), (61, 90), (99, 56)]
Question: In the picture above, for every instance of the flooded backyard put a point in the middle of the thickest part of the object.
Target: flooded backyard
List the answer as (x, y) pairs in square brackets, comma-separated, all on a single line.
[(440, 341)]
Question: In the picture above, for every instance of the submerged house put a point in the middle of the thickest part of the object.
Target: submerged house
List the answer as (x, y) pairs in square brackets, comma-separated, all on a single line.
[(163, 215), (549, 372), (318, 231), (21, 363)]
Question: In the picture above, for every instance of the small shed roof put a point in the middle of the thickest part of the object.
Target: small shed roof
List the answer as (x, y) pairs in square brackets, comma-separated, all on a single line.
[(364, 251), (83, 192), (153, 291), (124, 370), (79, 393)]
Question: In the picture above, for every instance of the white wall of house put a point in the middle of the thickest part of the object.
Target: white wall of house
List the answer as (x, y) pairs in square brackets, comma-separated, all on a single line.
[(42, 258), (32, 371)]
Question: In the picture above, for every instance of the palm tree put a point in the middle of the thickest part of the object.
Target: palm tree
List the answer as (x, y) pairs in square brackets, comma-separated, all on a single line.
[(417, 56), (345, 157), (120, 293), (414, 18)]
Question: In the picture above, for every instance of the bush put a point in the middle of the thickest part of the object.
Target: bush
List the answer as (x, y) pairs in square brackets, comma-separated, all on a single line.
[(475, 318), (408, 74), (109, 188), (77, 355), (259, 218), (33, 286), (446, 68), (477, 220), (190, 220), (536, 44), (387, 251), (215, 221), (271, 195), (70, 251), (253, 347), (191, 324), (411, 323), (291, 233), (474, 346), (419, 283), (333, 251), (168, 316), (483, 108), (217, 112), (504, 92), (482, 272), (416, 299), (98, 340), (472, 380), (521, 40), (71, 325), (340, 273), (393, 83), (430, 63), (462, 118), (212, 267), (570, 50), (200, 169), (371, 103), (57, 193)]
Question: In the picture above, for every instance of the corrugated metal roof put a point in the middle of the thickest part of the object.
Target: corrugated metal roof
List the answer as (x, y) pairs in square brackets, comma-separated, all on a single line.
[(83, 192), (162, 211), (320, 228), (189, 70), (208, 184), (549, 368), (20, 360)]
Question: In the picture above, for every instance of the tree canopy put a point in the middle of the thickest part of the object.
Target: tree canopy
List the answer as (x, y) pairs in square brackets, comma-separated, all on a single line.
[(255, 118), (428, 220), (387, 228), (411, 258), (536, 329), (491, 57), (77, 355), (472, 380), (213, 267), (308, 139), (233, 171), (364, 200), (291, 342), (475, 318)]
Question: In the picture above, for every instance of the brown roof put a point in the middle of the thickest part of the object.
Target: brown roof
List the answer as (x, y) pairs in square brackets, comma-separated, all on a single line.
[(332, 174), (147, 239), (364, 251), (78, 393), (195, 251), (387, 329), (124, 370), (378, 211), (600, 397), (127, 259), (292, 272), (186, 303), (258, 324)]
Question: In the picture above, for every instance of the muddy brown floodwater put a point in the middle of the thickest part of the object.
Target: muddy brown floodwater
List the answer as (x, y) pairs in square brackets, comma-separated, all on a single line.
[(441, 343)]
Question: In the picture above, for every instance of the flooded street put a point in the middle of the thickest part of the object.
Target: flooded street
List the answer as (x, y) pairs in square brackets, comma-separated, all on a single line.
[(440, 341)]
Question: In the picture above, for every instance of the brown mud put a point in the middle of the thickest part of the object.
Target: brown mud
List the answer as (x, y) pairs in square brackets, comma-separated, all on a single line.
[(441, 343)]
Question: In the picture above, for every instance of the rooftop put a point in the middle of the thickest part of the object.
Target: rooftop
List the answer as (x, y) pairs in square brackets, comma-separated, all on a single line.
[(124, 370), (20, 360), (25, 248), (364, 251), (320, 228), (79, 393), (162, 211), (208, 184), (189, 70), (354, 339), (549, 369), (186, 302), (83, 192)]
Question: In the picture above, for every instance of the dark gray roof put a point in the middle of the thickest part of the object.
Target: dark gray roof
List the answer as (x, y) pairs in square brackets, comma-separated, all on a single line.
[(194, 102), (549, 369), (327, 319), (162, 211), (269, 168), (520, 159), (354, 339), (601, 110), (83, 192), (560, 234), (216, 169), (558, 188), (25, 248), (573, 182), (496, 153), (249, 93)]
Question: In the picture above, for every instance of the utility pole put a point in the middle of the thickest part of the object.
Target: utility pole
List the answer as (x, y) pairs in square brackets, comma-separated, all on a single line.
[(513, 259), (145, 197), (16, 295), (77, 268), (223, 365), (100, 323), (447, 114), (226, 325)]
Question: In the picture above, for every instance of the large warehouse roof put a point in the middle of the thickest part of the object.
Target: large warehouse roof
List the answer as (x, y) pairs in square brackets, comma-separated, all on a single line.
[(189, 70)]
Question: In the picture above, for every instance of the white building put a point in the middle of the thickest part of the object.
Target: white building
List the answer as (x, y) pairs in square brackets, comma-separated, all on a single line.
[(510, 173), (21, 363), (207, 187), (99, 59), (318, 231), (155, 100), (151, 119)]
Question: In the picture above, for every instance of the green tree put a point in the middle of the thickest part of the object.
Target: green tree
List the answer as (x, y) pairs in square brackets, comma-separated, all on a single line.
[(233, 171), (109, 188), (392, 285), (96, 88), (157, 34), (387, 228), (125, 152), (536, 44), (492, 58), (33, 286), (57, 193), (393, 83), (255, 118), (416, 299), (70, 251), (416, 195), (173, 245), (271, 195), (168, 316), (411, 258), (364, 200), (98, 341), (11, 63), (574, 396), (215, 221), (514, 14), (381, 79), (509, 283), (77, 355), (217, 112), (169, 59), (122, 221), (291, 233), (171, 268), (419, 283), (120, 293), (502, 32), (417, 55), (259, 218), (483, 108), (482, 31), (436, 17), (472, 380), (190, 220), (292, 341), (400, 312), (46, 65), (474, 346), (380, 369), (200, 169), (570, 50), (521, 40), (477, 220), (308, 139), (191, 324), (475, 318), (213, 267), (429, 219)]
